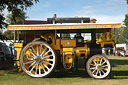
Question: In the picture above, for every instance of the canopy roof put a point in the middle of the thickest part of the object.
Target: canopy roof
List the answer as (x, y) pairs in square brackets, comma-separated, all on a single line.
[(64, 26)]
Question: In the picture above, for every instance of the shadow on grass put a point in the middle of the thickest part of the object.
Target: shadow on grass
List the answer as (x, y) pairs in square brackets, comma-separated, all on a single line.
[(7, 67), (119, 75), (70, 74), (115, 62)]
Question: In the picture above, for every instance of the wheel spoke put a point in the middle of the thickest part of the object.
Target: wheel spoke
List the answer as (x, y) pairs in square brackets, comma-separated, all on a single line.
[(32, 68), (29, 59), (46, 67), (31, 65), (97, 72), (36, 68), (93, 68), (104, 69), (101, 60), (43, 52), (103, 63), (105, 66), (40, 48), (94, 71), (100, 72), (33, 49), (32, 53), (92, 65), (94, 62), (27, 62), (97, 61), (49, 59), (37, 50), (43, 69), (48, 63), (46, 53), (47, 56), (39, 70), (28, 55)]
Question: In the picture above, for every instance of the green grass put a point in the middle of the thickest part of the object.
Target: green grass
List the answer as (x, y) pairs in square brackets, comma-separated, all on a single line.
[(118, 76)]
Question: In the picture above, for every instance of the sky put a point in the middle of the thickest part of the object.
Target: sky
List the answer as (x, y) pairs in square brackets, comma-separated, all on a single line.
[(105, 11)]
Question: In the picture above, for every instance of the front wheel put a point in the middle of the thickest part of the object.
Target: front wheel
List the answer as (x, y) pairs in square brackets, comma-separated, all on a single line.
[(38, 59), (98, 66)]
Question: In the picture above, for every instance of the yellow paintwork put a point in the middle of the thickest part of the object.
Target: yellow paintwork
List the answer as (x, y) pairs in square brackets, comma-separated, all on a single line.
[(107, 39), (18, 44), (68, 43), (68, 56), (54, 44), (70, 26), (98, 41), (18, 48), (82, 50), (103, 43), (68, 49), (36, 39)]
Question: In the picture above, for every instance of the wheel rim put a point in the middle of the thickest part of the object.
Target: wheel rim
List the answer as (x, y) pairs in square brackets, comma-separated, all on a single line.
[(99, 67), (38, 59)]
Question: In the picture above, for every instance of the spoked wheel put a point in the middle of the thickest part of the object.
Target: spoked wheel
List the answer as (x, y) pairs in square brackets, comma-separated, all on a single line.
[(98, 66), (38, 59)]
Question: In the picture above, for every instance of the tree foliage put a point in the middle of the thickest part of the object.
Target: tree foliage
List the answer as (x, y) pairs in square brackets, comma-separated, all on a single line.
[(18, 19), (123, 32), (8, 34), (14, 7)]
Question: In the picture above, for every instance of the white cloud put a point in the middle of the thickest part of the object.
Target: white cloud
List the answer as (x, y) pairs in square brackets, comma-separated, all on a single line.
[(87, 10), (88, 7), (110, 19)]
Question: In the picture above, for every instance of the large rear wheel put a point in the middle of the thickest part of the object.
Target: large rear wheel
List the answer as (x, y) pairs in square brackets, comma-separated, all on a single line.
[(98, 66), (38, 59)]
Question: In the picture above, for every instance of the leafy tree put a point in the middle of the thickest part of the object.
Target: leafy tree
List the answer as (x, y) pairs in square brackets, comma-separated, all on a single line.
[(8, 34), (121, 36), (14, 7), (18, 20), (123, 32)]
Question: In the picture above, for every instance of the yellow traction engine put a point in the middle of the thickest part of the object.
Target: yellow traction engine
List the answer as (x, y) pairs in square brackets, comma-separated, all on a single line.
[(62, 45)]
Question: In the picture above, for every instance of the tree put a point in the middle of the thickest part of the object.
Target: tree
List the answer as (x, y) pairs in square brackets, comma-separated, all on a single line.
[(14, 7), (123, 33), (18, 20), (121, 36), (8, 34)]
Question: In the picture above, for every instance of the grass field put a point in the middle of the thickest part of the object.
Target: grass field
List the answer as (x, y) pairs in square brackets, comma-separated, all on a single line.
[(118, 76)]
